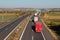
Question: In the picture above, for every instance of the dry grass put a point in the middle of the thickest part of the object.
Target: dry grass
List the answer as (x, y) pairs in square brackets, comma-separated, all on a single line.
[(1, 23), (9, 14), (17, 33), (54, 17), (52, 20), (7, 17)]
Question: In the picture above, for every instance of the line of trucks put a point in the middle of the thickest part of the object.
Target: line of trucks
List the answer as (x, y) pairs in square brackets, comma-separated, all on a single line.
[(38, 24)]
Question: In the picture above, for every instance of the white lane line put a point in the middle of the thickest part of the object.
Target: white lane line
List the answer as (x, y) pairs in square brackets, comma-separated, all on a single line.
[(32, 38), (23, 31), (43, 35), (12, 30), (32, 30), (32, 35)]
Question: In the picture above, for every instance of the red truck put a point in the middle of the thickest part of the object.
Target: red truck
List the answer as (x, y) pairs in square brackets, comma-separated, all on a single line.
[(38, 27)]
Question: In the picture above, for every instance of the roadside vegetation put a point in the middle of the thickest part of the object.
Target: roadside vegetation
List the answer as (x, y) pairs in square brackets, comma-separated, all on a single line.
[(16, 34), (52, 20), (9, 15)]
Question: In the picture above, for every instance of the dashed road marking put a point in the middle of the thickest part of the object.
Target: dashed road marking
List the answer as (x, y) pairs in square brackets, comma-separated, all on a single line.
[(32, 38), (32, 30)]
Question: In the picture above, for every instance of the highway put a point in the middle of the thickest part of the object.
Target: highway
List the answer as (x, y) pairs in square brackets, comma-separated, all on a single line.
[(4, 31), (30, 34)]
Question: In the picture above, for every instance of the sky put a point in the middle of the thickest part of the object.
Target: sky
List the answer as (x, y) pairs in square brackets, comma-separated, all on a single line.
[(29, 3)]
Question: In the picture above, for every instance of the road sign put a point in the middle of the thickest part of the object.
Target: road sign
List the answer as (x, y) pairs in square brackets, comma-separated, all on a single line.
[(38, 11)]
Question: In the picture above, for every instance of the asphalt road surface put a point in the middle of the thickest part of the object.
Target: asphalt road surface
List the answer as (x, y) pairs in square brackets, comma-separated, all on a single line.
[(4, 31), (30, 34)]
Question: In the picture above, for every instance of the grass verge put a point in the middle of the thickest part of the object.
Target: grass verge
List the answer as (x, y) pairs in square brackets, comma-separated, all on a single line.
[(54, 25), (17, 33)]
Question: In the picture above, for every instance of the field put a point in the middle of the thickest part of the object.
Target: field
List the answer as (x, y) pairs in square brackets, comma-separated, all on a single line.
[(53, 22), (7, 16)]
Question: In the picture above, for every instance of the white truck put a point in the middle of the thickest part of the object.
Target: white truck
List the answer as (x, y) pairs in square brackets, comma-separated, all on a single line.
[(35, 19)]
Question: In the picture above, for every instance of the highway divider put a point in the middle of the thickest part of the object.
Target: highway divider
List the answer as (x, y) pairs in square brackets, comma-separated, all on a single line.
[(10, 23), (16, 33)]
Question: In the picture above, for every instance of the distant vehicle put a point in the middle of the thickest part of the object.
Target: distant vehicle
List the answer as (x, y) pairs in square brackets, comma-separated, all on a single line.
[(38, 27), (35, 19), (36, 14)]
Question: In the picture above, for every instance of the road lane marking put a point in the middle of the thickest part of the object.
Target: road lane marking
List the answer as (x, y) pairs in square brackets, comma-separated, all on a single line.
[(12, 30), (32, 30), (23, 31), (32, 38), (43, 35)]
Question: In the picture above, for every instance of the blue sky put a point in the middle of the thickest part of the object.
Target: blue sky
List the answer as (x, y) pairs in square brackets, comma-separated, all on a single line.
[(30, 3)]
